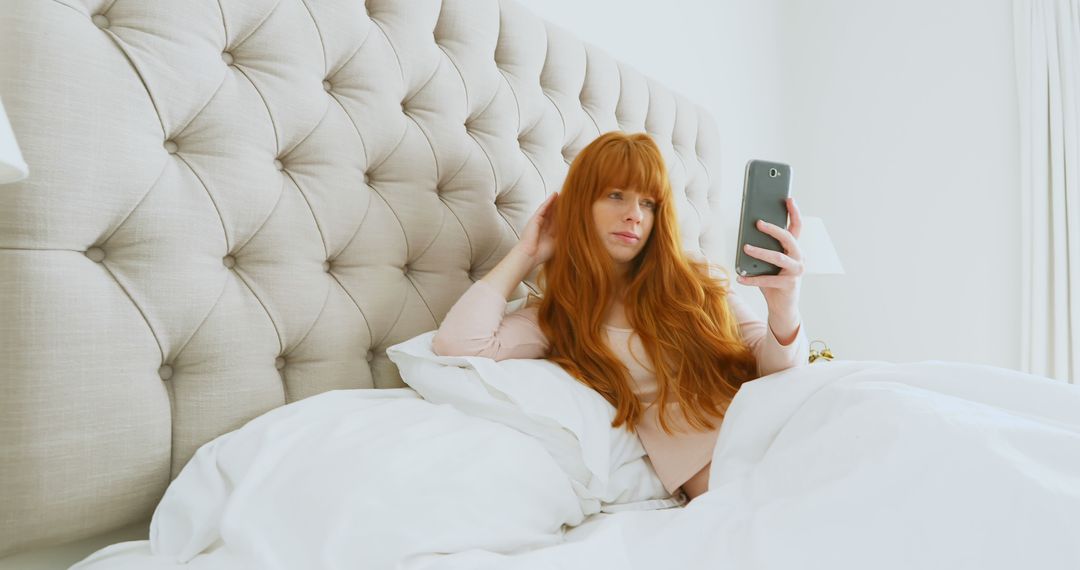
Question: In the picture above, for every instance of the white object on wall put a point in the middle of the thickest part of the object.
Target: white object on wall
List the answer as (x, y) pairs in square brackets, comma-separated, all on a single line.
[(1047, 56), (819, 255), (12, 166)]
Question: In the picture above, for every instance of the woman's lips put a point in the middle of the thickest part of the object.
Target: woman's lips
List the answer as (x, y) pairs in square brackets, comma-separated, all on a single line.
[(626, 237)]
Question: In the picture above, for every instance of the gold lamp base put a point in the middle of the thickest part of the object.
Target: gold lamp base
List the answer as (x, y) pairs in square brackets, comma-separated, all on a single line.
[(823, 353)]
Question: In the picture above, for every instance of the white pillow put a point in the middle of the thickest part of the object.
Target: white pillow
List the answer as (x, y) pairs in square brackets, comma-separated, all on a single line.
[(537, 397)]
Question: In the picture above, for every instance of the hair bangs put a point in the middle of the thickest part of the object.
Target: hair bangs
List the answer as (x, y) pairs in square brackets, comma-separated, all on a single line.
[(633, 165)]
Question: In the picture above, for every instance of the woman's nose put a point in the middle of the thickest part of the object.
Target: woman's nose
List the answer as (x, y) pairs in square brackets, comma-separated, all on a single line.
[(633, 214)]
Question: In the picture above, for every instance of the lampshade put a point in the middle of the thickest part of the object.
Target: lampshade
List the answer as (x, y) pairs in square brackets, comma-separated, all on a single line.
[(819, 256), (12, 167)]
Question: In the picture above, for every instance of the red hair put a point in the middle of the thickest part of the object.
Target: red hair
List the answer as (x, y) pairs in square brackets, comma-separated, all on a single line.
[(677, 309)]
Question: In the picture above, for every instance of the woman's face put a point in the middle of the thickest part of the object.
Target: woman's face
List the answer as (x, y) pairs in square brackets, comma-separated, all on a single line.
[(624, 219)]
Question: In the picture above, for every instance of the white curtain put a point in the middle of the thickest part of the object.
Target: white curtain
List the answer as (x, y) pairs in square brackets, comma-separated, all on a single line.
[(1047, 43)]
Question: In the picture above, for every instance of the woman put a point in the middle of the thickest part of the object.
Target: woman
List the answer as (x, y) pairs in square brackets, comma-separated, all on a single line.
[(620, 295)]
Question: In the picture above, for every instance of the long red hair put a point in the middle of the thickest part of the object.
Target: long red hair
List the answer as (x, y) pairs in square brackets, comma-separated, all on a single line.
[(677, 309)]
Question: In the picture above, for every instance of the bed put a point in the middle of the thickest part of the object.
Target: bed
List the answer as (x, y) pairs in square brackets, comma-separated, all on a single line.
[(237, 207)]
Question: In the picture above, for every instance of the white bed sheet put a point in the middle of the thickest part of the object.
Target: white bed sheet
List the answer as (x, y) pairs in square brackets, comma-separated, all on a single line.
[(837, 465)]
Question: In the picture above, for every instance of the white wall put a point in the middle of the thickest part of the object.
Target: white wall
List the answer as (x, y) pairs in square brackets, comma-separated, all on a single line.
[(900, 121), (905, 133)]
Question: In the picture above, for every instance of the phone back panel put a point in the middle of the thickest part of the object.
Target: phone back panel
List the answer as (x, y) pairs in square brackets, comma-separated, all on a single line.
[(766, 186)]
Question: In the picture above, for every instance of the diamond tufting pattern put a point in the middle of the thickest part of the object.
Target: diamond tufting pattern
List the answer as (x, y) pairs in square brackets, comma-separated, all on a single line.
[(237, 204)]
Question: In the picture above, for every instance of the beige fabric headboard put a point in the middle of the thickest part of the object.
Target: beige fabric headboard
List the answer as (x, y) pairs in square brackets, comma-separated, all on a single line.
[(234, 205)]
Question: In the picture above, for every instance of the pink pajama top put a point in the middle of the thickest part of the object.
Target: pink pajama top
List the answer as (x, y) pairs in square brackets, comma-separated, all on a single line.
[(477, 326)]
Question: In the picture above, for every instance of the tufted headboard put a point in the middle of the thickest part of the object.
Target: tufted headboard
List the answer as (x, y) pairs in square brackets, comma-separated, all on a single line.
[(233, 205)]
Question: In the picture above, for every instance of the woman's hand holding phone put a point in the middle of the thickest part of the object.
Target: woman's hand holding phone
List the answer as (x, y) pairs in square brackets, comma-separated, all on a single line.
[(781, 291)]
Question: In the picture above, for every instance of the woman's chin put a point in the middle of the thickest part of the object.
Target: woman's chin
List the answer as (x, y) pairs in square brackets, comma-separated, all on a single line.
[(623, 256)]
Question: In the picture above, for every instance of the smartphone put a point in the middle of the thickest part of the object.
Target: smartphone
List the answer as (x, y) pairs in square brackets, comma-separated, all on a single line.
[(766, 187)]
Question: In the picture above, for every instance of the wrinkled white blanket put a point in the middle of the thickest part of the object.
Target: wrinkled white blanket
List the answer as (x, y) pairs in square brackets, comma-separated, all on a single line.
[(359, 479), (836, 465)]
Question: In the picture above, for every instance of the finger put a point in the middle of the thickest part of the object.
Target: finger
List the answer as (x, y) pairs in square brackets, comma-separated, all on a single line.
[(768, 281), (551, 202), (774, 257), (787, 241), (546, 202), (795, 227), (542, 209), (547, 222)]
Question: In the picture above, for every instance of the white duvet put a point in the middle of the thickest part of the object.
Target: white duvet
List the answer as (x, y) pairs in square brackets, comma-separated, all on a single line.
[(835, 465)]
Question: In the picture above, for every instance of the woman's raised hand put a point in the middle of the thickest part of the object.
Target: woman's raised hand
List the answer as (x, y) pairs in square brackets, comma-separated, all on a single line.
[(538, 239), (781, 291), (535, 246)]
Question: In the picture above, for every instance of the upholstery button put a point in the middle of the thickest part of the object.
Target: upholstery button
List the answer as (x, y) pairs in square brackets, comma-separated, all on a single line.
[(326, 266), (171, 147), (100, 20), (227, 58), (165, 372), (228, 261), (326, 85), (279, 362), (405, 268), (95, 254), (369, 356), (278, 164), (367, 179)]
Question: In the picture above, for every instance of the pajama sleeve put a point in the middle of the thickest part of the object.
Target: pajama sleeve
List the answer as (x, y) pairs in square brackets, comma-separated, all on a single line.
[(756, 333), (478, 326)]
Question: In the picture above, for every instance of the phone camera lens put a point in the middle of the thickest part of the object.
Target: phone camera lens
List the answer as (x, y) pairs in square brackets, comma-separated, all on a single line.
[(774, 172)]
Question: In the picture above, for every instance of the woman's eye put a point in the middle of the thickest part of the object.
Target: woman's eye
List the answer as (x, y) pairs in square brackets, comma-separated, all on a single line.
[(649, 204), (616, 195)]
